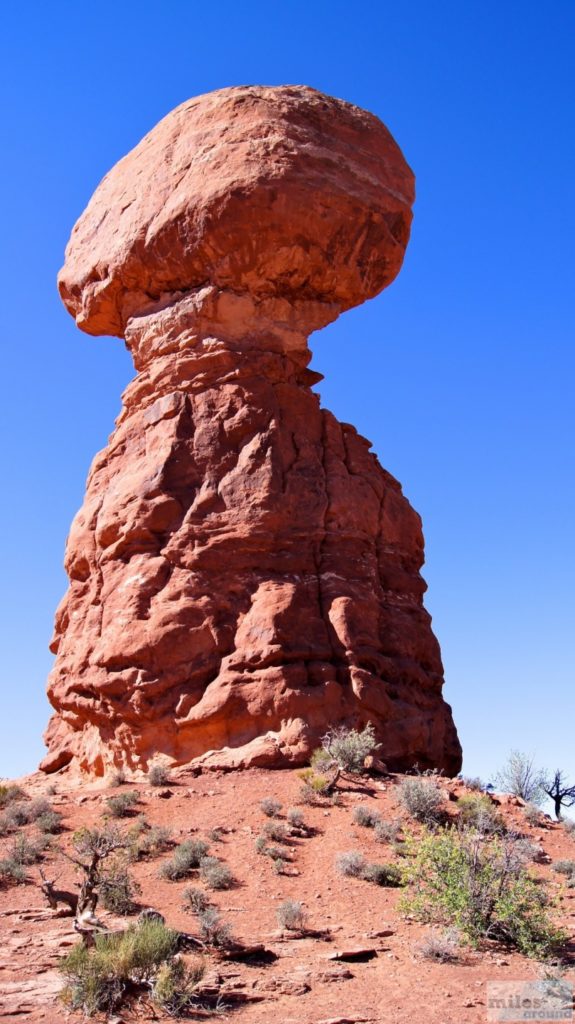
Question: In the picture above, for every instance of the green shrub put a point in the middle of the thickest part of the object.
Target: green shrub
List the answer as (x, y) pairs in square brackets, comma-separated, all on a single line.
[(365, 817), (345, 749), (148, 840), (122, 805), (215, 874), (9, 792), (186, 858), (118, 889), (314, 786), (480, 813), (270, 807), (11, 873), (479, 885), (26, 851), (422, 798), (50, 822), (569, 826), (382, 874), (98, 980), (291, 915), (175, 984), (261, 844)]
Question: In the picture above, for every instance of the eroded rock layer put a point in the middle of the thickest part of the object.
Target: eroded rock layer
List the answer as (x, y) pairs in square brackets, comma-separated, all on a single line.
[(243, 573)]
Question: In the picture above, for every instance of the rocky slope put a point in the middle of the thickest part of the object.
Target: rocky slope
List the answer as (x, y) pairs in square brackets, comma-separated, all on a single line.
[(243, 573), (306, 983)]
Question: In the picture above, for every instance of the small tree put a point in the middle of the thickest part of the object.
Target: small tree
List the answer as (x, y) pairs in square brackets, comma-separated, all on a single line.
[(520, 777), (93, 846), (559, 792)]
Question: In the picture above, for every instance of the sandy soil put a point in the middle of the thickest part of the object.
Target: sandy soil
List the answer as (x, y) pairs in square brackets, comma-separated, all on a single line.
[(302, 985)]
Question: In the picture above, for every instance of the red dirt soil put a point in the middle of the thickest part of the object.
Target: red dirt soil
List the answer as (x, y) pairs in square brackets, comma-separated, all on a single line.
[(302, 986)]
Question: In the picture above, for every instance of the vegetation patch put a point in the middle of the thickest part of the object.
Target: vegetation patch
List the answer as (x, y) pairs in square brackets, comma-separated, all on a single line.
[(480, 885), (215, 874), (365, 817), (270, 807), (422, 798), (478, 812), (122, 805), (345, 749), (122, 967), (291, 915), (213, 931), (158, 775), (443, 947), (118, 889), (185, 859)]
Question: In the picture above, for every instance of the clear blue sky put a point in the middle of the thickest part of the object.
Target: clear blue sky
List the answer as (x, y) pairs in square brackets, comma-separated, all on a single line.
[(461, 374)]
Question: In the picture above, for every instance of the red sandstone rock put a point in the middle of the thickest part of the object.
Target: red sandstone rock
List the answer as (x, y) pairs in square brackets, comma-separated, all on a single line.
[(243, 573)]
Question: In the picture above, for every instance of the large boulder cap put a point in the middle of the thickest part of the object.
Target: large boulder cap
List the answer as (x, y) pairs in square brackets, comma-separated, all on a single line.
[(277, 191)]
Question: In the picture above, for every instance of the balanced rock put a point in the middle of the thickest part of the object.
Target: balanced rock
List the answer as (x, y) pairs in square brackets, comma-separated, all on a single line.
[(243, 573)]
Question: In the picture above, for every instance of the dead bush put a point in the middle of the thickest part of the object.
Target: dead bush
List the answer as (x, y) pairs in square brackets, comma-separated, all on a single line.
[(117, 889), (195, 900), (422, 798), (352, 864), (214, 931), (215, 874), (158, 775), (270, 807), (443, 947), (387, 831), (291, 915), (365, 816)]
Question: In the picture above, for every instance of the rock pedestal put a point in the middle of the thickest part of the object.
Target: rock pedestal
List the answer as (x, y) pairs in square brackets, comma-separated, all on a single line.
[(243, 573)]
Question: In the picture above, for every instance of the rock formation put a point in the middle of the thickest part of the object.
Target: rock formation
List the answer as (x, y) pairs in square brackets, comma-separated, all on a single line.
[(243, 573)]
